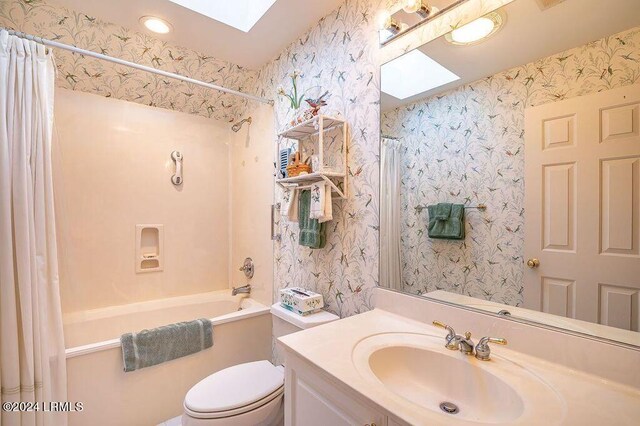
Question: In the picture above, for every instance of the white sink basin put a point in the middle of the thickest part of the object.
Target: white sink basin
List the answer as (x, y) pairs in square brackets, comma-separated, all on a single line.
[(420, 370)]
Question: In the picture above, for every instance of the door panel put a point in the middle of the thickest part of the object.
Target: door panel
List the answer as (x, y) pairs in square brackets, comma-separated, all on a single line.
[(620, 210), (619, 122), (558, 296), (619, 307), (559, 206)]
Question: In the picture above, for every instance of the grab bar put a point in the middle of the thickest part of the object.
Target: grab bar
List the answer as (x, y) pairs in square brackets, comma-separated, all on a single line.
[(176, 179), (274, 237)]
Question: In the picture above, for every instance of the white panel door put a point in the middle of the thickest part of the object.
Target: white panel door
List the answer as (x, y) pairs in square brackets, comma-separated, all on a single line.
[(582, 223)]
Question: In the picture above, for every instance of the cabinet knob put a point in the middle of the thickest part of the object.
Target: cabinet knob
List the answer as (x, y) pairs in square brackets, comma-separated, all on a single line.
[(533, 263)]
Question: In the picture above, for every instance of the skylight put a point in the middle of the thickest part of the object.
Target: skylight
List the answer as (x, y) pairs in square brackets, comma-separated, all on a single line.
[(413, 73), (240, 14)]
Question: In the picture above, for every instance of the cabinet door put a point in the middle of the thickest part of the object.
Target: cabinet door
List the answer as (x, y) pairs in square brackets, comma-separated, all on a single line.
[(310, 400)]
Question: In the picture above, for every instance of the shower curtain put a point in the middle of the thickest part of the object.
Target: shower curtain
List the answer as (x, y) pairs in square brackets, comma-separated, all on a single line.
[(390, 272), (32, 359)]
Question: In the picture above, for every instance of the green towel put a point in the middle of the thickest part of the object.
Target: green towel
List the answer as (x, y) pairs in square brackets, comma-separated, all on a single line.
[(446, 221), (161, 344), (312, 233)]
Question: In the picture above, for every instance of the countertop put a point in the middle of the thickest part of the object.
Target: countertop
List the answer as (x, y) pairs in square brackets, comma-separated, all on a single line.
[(586, 398)]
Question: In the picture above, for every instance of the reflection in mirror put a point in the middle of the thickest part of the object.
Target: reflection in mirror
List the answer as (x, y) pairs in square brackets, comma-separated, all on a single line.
[(411, 14), (502, 119)]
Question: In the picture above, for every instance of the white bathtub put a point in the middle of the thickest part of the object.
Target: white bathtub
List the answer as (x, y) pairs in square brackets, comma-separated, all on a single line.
[(242, 333)]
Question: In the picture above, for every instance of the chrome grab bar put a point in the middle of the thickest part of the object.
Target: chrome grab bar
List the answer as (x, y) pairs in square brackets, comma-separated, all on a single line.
[(274, 236)]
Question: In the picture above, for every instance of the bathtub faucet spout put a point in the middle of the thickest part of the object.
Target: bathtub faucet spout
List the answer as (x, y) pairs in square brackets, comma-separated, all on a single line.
[(244, 289)]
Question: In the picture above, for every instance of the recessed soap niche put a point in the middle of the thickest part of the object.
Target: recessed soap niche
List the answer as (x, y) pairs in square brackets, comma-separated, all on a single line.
[(149, 248)]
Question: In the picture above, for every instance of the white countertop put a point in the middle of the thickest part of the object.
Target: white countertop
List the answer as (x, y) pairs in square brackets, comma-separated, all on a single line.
[(587, 399)]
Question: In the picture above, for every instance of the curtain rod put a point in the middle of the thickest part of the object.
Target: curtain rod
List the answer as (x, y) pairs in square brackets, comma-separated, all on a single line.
[(134, 65)]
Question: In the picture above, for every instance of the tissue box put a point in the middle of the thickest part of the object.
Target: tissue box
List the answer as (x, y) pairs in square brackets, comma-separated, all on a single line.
[(301, 301)]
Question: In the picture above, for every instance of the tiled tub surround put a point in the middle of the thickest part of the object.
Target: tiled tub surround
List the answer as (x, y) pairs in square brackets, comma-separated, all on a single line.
[(111, 171), (575, 368), (152, 395), (467, 146)]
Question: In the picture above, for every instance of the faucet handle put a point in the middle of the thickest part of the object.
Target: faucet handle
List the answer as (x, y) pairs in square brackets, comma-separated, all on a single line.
[(451, 338), (446, 327), (483, 351)]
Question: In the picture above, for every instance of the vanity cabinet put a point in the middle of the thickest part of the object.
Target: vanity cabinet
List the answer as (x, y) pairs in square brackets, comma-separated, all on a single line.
[(312, 398)]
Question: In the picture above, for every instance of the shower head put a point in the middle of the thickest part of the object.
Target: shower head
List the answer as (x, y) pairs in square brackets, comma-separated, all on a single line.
[(236, 127)]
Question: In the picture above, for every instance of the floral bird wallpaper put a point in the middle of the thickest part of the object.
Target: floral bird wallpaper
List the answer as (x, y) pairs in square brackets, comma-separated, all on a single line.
[(467, 146), (337, 55), (48, 20)]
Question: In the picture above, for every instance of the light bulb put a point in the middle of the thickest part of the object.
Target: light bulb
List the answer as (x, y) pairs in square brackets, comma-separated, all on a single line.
[(476, 30), (156, 25), (412, 6), (384, 20), (473, 31)]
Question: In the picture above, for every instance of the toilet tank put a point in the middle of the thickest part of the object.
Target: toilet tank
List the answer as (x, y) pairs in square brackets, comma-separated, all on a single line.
[(286, 322)]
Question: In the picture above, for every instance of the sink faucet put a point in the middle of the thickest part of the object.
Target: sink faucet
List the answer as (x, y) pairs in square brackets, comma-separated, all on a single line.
[(456, 342), (483, 351), (466, 344), (244, 289), (452, 341)]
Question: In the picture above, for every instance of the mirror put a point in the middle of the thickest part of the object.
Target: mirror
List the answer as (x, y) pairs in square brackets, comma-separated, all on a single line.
[(510, 167)]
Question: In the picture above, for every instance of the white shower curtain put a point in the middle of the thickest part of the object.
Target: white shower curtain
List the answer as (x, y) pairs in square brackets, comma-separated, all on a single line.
[(32, 361), (390, 259)]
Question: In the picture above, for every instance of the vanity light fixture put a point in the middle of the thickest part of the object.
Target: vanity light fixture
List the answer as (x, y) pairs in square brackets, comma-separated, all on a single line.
[(476, 31), (155, 24), (408, 15), (422, 8), (387, 24)]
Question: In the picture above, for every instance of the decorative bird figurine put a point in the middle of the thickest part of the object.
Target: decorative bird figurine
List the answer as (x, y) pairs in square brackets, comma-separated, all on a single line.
[(316, 104)]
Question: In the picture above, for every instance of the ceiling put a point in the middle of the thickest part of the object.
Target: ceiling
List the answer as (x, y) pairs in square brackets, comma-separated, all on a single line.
[(283, 23), (528, 34)]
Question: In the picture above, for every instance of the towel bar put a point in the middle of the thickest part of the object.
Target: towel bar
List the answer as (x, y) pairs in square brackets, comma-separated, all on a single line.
[(481, 207)]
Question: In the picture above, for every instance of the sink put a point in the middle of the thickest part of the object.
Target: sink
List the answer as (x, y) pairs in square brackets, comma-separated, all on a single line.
[(418, 370)]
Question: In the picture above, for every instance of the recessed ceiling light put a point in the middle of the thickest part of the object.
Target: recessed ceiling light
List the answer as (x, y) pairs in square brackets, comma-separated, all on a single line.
[(413, 73), (156, 25), (477, 30)]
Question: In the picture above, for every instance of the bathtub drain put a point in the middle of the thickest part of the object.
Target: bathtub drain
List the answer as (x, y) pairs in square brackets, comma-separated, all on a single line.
[(449, 407)]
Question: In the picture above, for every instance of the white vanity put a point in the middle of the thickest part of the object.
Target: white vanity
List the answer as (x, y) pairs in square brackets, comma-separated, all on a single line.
[(390, 366)]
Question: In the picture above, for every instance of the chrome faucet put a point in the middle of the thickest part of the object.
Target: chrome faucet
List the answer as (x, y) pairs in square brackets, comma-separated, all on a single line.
[(456, 342), (483, 351), (466, 344), (244, 289), (452, 342)]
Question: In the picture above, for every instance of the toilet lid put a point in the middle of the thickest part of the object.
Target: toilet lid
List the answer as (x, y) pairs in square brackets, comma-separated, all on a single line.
[(234, 387)]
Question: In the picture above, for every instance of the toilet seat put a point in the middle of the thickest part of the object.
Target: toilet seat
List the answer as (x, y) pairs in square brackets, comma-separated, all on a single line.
[(236, 412), (235, 390)]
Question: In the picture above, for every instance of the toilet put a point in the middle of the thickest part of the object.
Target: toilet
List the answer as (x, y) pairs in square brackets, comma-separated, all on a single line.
[(250, 393)]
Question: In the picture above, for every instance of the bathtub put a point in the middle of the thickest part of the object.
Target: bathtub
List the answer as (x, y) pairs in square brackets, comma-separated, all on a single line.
[(242, 333)]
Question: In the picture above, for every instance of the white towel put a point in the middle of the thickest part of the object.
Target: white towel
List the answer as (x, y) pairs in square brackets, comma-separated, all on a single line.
[(316, 210), (293, 206), (328, 205), (285, 205), (321, 205)]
